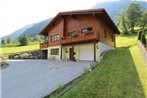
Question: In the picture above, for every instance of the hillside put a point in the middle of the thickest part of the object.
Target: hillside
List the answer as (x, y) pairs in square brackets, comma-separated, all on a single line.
[(37, 28), (114, 7), (18, 32), (31, 30)]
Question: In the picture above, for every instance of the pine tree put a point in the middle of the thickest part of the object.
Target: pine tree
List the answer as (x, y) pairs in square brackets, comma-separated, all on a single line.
[(3, 41)]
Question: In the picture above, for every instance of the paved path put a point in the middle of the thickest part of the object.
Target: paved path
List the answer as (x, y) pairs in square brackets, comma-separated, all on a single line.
[(37, 78)]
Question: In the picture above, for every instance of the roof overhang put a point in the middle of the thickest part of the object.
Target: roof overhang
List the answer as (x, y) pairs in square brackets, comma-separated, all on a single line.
[(98, 13)]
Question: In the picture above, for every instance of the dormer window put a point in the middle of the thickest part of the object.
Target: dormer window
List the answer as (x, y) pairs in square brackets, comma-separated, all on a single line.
[(86, 30)]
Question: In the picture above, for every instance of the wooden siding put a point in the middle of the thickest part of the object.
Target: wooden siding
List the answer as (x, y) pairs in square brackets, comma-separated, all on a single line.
[(64, 25), (109, 34)]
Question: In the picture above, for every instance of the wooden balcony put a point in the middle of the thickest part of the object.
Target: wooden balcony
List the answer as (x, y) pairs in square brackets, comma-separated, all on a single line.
[(80, 38), (44, 45)]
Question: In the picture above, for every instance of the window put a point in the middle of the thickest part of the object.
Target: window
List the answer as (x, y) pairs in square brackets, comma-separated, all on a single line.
[(86, 30), (55, 51), (55, 38)]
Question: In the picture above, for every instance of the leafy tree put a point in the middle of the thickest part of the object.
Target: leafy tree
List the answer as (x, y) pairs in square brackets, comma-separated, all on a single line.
[(133, 13), (43, 38), (3, 41), (24, 40), (37, 38), (143, 20), (122, 23)]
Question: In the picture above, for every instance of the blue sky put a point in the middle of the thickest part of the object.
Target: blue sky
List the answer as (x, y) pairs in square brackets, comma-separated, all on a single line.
[(15, 14)]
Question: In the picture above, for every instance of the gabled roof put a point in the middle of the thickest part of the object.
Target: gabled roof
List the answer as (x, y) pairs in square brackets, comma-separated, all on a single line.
[(99, 13)]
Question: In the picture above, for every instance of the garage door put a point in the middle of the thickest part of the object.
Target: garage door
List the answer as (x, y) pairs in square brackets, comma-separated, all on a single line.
[(87, 52)]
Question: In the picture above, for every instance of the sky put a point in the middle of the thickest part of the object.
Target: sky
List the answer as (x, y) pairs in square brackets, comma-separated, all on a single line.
[(15, 14)]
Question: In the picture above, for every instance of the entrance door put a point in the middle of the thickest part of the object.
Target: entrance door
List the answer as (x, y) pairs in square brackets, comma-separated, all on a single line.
[(71, 53)]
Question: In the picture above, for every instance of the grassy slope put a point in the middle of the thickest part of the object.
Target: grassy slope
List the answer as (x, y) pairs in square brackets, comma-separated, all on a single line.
[(121, 74), (15, 49)]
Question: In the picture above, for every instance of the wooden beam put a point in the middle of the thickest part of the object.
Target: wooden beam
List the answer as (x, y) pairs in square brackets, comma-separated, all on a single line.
[(61, 53), (94, 50), (114, 37), (73, 16)]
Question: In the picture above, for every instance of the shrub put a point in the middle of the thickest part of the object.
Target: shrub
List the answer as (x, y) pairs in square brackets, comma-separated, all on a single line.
[(143, 39), (24, 40), (139, 35)]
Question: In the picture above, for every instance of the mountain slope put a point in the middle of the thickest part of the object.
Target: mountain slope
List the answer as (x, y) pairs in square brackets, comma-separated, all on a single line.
[(114, 7), (37, 28), (18, 32)]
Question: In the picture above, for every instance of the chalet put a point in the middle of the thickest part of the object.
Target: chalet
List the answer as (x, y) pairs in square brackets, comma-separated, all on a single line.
[(79, 35)]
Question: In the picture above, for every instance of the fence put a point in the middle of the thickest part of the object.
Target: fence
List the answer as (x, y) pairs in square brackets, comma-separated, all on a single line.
[(143, 50)]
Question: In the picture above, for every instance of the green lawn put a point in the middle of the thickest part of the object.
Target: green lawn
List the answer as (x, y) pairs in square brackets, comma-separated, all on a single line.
[(121, 74), (15, 49)]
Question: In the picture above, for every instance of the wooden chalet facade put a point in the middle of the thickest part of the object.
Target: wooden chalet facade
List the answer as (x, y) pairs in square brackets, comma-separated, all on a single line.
[(79, 35)]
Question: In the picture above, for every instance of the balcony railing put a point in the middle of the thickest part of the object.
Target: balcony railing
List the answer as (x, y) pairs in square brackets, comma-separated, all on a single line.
[(81, 37), (44, 45)]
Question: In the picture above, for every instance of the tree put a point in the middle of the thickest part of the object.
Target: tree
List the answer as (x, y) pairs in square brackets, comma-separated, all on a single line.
[(9, 40), (143, 20), (24, 40), (143, 40), (3, 41), (36, 38), (133, 13), (140, 35), (15, 41), (122, 21)]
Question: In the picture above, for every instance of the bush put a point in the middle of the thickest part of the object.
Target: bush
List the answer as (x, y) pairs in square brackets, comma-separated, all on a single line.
[(143, 39), (24, 40), (139, 35)]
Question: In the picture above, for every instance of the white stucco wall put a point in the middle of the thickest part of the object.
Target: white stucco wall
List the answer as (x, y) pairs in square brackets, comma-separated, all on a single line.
[(77, 51), (56, 57), (101, 48), (86, 51)]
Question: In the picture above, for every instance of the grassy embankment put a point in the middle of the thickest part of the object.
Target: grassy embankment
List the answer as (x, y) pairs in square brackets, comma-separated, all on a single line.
[(16, 49), (121, 74)]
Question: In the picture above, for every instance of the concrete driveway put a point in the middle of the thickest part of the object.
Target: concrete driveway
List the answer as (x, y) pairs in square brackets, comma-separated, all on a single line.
[(37, 78)]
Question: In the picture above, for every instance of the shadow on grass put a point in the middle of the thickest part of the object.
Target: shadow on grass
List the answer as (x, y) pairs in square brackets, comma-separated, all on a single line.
[(128, 35), (127, 47)]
